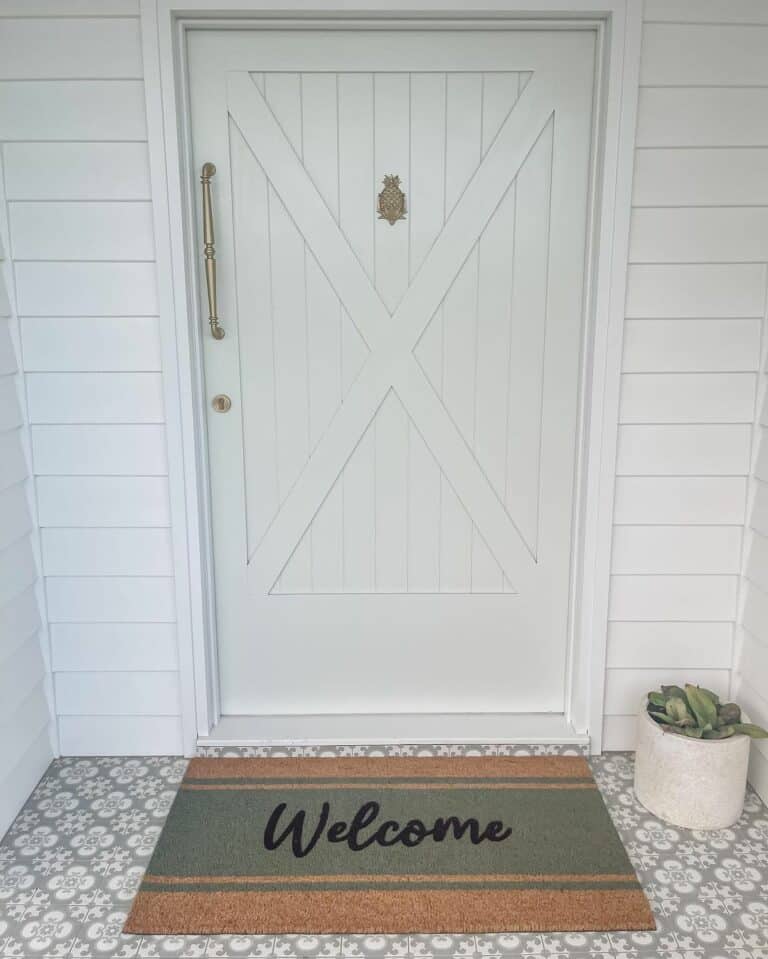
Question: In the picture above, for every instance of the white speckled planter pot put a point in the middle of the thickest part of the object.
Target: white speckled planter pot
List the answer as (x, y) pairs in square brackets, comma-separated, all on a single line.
[(694, 783)]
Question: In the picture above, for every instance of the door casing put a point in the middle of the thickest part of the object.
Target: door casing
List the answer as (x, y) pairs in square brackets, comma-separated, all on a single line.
[(175, 192)]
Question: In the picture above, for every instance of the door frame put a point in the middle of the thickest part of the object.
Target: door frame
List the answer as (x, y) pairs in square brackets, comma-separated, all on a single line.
[(174, 193)]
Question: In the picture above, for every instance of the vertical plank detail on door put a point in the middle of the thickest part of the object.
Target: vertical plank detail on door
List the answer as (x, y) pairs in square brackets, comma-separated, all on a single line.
[(526, 372), (325, 321), (426, 217), (289, 309), (255, 330), (392, 522), (356, 219)]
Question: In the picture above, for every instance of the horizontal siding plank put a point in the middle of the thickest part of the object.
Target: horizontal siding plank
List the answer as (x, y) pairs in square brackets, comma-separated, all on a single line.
[(19, 782), (689, 346), (714, 290), (93, 344), (687, 398), (706, 11), (91, 230), (102, 501), (698, 234), (18, 570), (693, 450), (619, 732), (95, 397), (86, 289), (120, 735), (19, 619), (13, 464), (117, 694), (55, 48), (676, 549), (99, 450), (670, 645), (107, 552), (695, 500), (24, 727), (72, 110), (626, 688), (110, 599), (673, 598), (10, 411), (69, 8), (700, 177), (702, 117), (8, 362), (77, 171), (15, 516), (113, 647), (717, 55)]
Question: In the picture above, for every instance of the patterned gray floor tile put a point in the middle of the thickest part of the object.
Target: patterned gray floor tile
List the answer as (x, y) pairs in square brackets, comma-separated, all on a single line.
[(49, 933), (241, 947), (72, 861)]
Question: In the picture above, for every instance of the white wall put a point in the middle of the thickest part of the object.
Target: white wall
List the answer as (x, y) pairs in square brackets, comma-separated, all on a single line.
[(694, 308), (25, 717), (74, 144), (73, 130)]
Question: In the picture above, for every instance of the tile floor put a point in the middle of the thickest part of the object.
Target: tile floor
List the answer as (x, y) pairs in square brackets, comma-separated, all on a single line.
[(72, 861)]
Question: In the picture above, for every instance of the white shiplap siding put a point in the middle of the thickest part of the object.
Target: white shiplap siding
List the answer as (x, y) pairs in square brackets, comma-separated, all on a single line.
[(695, 305), (72, 118), (26, 746)]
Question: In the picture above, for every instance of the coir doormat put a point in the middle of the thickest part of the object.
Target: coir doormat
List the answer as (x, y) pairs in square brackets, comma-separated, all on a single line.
[(388, 845)]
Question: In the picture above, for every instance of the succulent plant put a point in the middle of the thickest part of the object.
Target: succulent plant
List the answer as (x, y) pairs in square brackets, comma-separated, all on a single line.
[(698, 713)]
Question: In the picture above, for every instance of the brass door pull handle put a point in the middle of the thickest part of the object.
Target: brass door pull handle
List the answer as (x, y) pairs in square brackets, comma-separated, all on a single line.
[(209, 170)]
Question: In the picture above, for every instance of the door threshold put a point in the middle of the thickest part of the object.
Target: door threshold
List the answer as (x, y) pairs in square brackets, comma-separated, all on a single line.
[(371, 729)]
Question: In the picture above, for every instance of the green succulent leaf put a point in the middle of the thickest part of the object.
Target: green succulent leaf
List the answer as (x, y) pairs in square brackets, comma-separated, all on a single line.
[(750, 729), (723, 733), (677, 730), (713, 696), (662, 718), (702, 705), (729, 713), (657, 699), (670, 691), (677, 710), (693, 731)]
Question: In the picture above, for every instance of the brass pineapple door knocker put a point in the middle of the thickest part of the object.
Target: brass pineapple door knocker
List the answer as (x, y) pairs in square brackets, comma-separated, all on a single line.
[(391, 204)]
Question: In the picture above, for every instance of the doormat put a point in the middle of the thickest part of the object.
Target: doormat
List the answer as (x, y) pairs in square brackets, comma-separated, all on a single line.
[(389, 846)]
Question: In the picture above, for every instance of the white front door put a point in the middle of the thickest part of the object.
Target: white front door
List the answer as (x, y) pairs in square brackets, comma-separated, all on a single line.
[(393, 488)]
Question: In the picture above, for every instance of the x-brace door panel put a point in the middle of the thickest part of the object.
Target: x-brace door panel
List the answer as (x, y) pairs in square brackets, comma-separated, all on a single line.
[(392, 491)]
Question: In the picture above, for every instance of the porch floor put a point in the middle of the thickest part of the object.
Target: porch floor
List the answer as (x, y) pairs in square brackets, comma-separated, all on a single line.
[(72, 861)]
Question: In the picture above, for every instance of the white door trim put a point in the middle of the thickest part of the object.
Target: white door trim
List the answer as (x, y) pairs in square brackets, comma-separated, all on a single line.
[(174, 191)]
